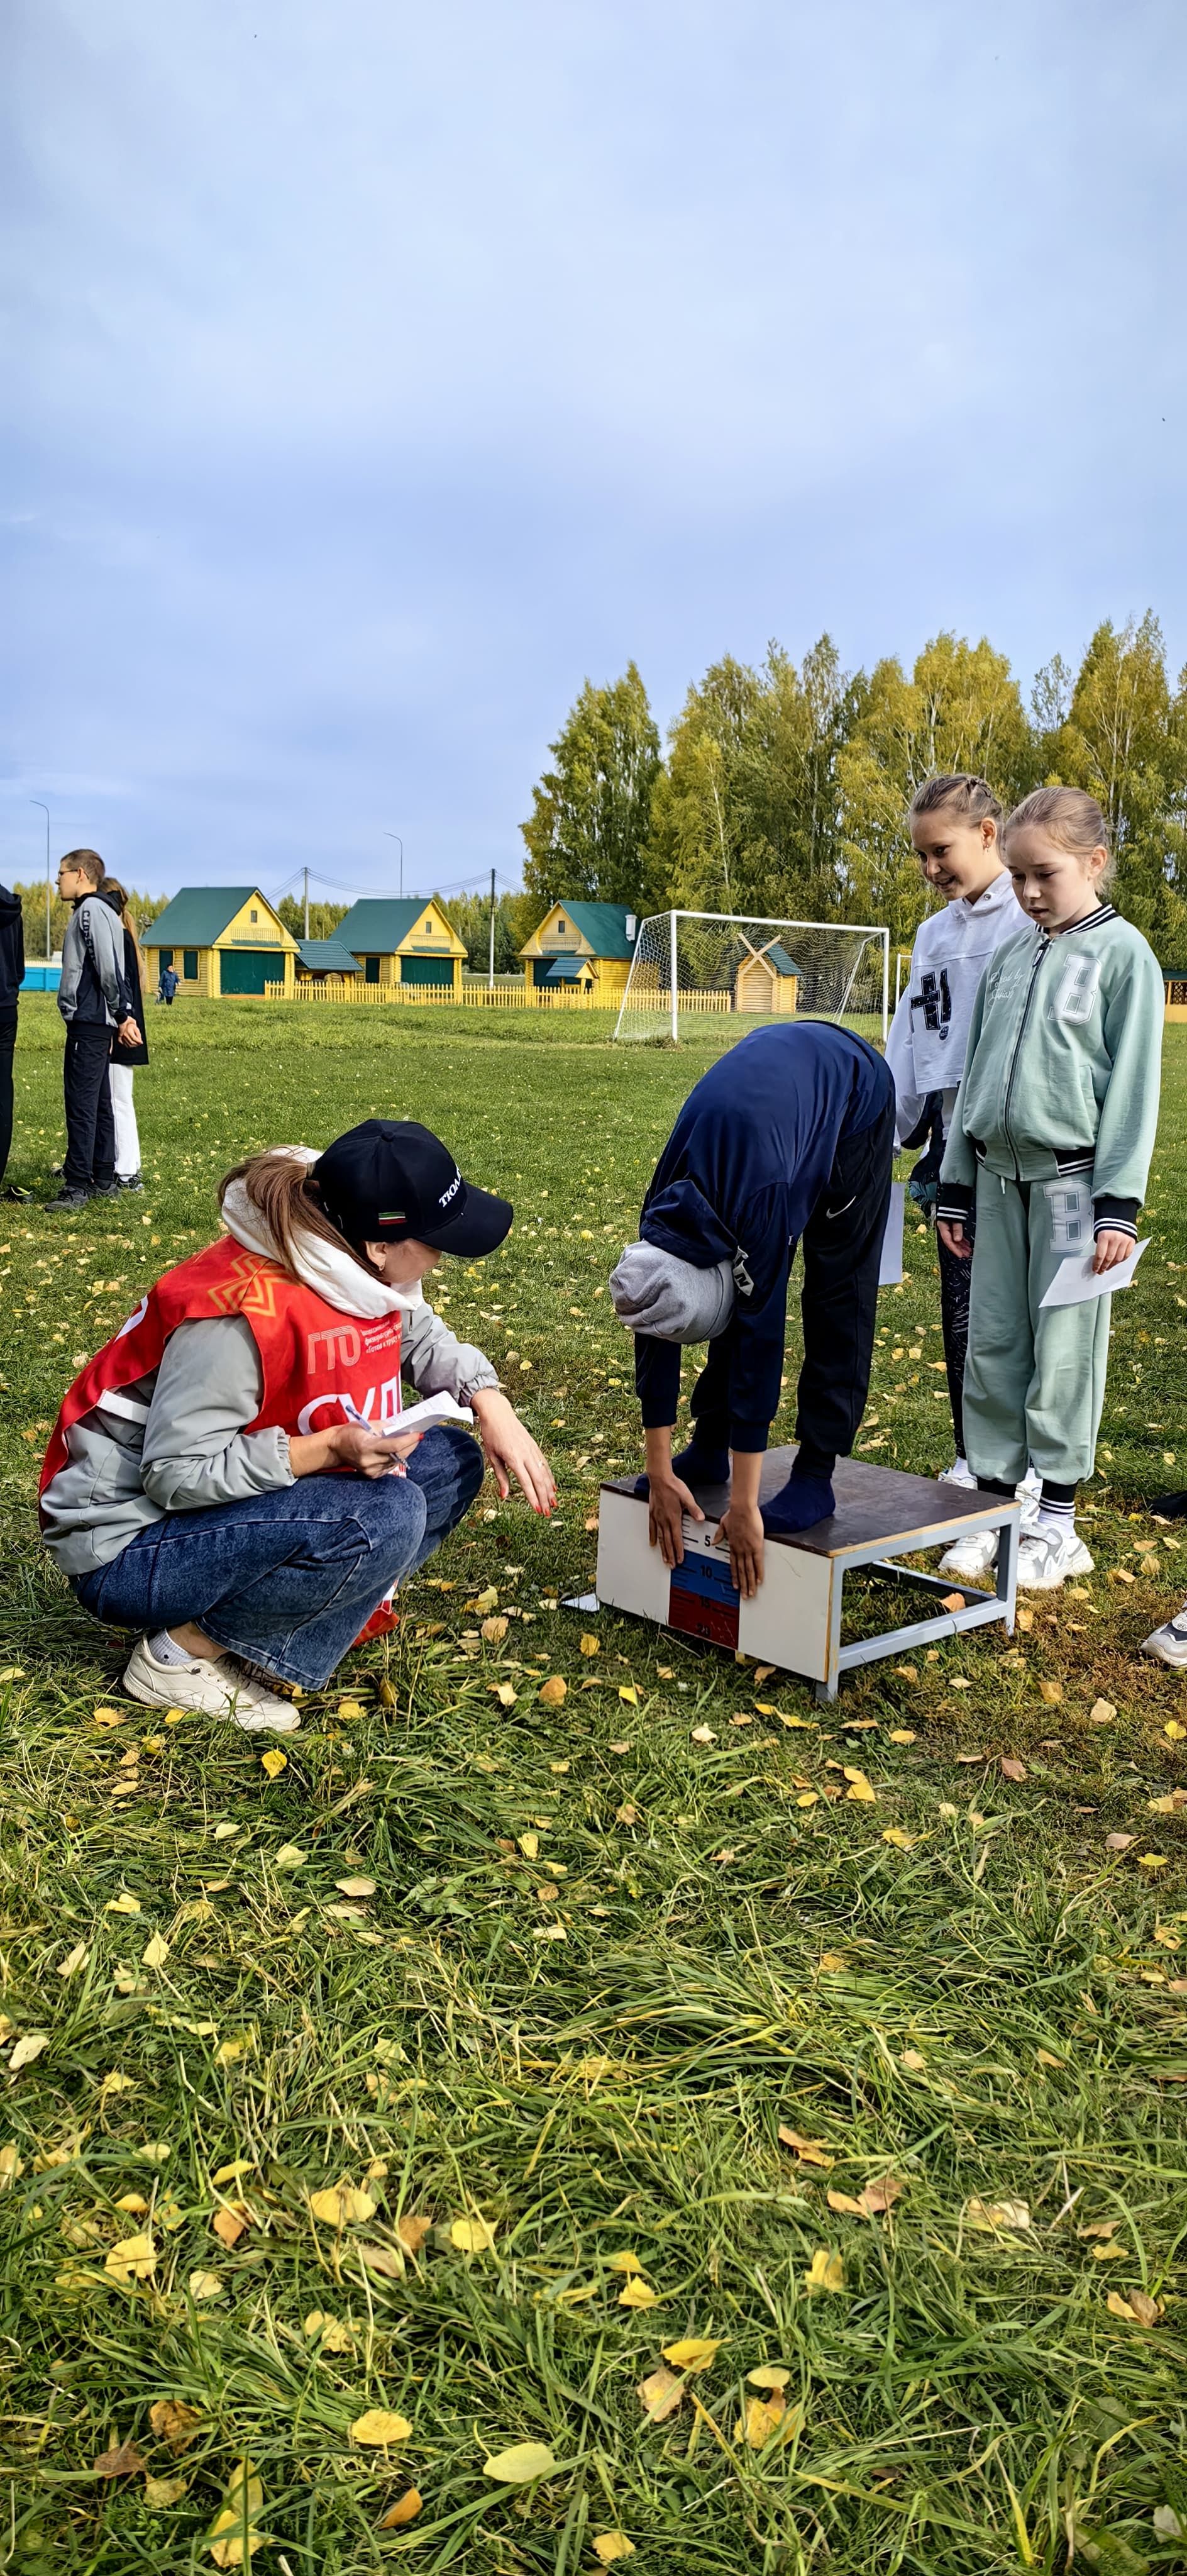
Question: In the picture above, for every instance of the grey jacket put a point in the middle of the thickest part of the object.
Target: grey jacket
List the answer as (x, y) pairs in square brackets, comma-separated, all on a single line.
[(94, 983), (177, 1440)]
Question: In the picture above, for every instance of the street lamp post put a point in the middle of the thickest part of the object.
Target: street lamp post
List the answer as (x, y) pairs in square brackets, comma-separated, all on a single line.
[(394, 836), (36, 800)]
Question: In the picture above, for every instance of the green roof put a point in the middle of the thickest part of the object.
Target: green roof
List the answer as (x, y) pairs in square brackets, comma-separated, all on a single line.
[(777, 957), (378, 924), (198, 915), (603, 925), (328, 957)]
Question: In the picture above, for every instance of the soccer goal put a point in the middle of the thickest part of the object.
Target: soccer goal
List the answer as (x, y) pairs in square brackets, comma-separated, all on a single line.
[(695, 966)]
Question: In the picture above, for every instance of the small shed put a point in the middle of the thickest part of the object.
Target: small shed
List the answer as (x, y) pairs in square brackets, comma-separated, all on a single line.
[(582, 947), (408, 940), (767, 980), (222, 940), (321, 961), (1175, 981)]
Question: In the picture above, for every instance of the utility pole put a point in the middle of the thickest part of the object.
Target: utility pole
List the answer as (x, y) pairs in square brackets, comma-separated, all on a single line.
[(394, 836), (491, 976), (36, 800), (307, 903)]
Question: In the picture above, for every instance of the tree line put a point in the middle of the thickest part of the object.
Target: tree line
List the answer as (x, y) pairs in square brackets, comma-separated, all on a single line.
[(783, 790)]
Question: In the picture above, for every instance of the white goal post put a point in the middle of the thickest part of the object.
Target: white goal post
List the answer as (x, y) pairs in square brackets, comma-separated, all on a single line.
[(712, 964)]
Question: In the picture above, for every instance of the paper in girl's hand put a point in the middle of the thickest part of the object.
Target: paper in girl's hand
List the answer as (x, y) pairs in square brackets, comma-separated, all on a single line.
[(416, 1417), (1076, 1281)]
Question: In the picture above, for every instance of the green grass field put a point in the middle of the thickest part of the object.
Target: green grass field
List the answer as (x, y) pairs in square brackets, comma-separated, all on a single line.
[(608, 1962)]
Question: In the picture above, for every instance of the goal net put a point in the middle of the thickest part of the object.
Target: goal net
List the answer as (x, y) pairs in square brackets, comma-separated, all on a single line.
[(689, 968)]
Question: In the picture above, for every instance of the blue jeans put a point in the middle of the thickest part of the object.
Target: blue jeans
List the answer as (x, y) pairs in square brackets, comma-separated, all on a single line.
[(288, 1579)]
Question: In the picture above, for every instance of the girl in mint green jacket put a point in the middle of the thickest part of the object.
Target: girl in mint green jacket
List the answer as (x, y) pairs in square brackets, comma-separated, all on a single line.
[(1050, 1144)]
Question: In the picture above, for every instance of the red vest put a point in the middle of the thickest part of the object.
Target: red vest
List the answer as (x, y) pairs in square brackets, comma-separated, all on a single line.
[(312, 1356)]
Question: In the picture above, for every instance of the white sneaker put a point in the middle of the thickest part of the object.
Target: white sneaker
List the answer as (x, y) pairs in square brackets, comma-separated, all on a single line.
[(973, 1557), (217, 1685), (1046, 1557), (960, 1474), (1169, 1643), (1031, 1488)]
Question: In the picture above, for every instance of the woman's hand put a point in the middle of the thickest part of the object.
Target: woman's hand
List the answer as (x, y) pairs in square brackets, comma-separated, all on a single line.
[(1111, 1248), (742, 1530), (667, 1502), (510, 1450), (350, 1448), (954, 1239)]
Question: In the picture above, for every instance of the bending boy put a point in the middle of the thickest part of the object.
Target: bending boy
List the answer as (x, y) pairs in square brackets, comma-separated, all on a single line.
[(790, 1134)]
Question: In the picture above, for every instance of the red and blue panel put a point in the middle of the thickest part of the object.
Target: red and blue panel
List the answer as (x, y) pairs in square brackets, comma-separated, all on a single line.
[(703, 1601)]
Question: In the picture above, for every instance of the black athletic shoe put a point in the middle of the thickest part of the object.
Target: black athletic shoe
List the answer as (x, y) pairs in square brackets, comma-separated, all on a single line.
[(1172, 1507), (129, 1181), (104, 1190), (67, 1203), (19, 1197)]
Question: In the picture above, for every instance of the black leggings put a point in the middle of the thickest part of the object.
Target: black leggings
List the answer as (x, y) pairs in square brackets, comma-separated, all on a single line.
[(956, 1280), (842, 1248)]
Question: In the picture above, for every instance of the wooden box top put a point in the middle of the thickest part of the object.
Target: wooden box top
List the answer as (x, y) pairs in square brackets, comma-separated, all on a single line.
[(875, 1505)]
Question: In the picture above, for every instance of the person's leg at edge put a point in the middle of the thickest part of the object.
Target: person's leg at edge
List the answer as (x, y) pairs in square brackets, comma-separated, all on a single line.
[(1066, 1394), (956, 1280), (7, 1044), (127, 1141), (998, 1363), (842, 1247), (90, 1130)]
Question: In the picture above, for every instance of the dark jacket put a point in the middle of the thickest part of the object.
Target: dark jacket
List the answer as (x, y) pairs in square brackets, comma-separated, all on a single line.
[(94, 988), (121, 1054), (742, 1170), (12, 952)]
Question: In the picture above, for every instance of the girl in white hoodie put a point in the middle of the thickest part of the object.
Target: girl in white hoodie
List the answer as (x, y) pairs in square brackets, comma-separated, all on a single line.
[(955, 821)]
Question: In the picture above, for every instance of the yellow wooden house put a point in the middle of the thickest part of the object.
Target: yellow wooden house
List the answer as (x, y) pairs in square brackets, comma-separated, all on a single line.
[(583, 948), (222, 940), (407, 940), (767, 980)]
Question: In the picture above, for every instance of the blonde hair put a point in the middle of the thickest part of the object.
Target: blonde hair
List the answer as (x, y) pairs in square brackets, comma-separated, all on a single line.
[(1070, 817), (971, 799), (284, 1193)]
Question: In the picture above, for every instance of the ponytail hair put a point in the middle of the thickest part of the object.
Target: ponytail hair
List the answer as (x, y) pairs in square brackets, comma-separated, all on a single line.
[(970, 799), (1070, 817), (286, 1198)]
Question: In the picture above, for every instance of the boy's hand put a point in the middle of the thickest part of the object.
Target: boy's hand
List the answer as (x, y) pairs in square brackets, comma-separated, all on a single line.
[(742, 1531), (667, 1502), (952, 1235), (1111, 1248)]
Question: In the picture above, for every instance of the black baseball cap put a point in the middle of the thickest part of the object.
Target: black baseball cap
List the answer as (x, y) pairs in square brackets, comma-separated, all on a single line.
[(390, 1179)]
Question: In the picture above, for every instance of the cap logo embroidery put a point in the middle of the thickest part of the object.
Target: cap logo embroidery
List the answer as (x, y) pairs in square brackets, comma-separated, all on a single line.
[(451, 1192)]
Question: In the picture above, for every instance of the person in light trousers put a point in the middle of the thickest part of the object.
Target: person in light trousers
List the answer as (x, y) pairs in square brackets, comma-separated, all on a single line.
[(126, 1058)]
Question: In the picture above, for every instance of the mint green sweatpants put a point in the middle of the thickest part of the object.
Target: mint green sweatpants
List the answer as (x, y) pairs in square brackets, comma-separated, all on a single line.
[(1034, 1380)]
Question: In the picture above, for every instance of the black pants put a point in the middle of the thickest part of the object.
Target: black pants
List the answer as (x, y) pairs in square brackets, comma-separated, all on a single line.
[(7, 1043), (956, 1281), (842, 1247), (90, 1124)]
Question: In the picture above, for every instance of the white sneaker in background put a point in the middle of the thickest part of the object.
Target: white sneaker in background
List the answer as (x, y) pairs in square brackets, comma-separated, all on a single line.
[(972, 1558), (1031, 1487), (218, 1686), (1169, 1642), (960, 1474), (1046, 1557)]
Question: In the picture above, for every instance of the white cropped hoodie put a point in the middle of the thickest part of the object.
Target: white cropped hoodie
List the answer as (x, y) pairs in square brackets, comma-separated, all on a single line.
[(930, 1029)]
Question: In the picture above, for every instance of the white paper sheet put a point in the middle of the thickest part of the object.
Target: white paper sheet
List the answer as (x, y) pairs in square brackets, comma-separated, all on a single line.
[(1076, 1281), (416, 1417)]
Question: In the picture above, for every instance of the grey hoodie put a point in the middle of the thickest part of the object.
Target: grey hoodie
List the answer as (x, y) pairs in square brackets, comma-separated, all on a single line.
[(94, 983)]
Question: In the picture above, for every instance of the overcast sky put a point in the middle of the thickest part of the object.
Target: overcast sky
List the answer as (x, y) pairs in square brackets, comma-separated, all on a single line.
[(376, 372)]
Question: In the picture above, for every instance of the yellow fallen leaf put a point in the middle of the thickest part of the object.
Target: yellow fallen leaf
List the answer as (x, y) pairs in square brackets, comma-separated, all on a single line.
[(1045, 2057), (994, 2214), (74, 1960), (826, 2271), (133, 2203), (1138, 2309), (703, 1735), (175, 2423), (488, 1600), (124, 1903), (205, 2285), (12, 2165), (807, 1723), (660, 2395), (1024, 1618), (377, 2426), (1109, 2253), (611, 2546), (516, 2467), (290, 1856), (897, 1835), (763, 2416), (108, 1717), (846, 2205), (907, 1672), (636, 2293), (628, 1692), (156, 1951), (1173, 1732), (134, 2260), (340, 2204), (902, 1735), (159, 2493), (553, 1691), (1151, 1860), (405, 2509), (769, 2374), (355, 1886), (529, 1845), (274, 1762), (1101, 1713), (1052, 1692), (472, 2235), (330, 2332), (859, 1788), (1120, 1574), (494, 1631), (1012, 1768), (412, 2231), (625, 2262), (912, 2060), (504, 1692), (233, 2536), (809, 2150), (695, 2352), (591, 1645), (808, 1798)]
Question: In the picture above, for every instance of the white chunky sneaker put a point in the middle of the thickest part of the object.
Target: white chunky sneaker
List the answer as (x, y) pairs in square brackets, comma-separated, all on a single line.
[(959, 1474), (1031, 1488), (1046, 1557), (218, 1686), (973, 1557), (1169, 1643)]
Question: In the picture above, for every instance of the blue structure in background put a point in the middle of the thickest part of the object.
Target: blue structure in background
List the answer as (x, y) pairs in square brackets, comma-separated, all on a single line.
[(41, 978)]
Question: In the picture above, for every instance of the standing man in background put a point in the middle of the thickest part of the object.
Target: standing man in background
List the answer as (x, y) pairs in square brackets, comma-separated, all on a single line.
[(94, 1000), (12, 968)]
